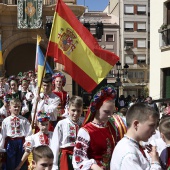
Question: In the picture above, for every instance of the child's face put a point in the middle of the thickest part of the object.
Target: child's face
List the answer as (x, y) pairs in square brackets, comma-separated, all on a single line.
[(46, 87), (43, 126), (43, 164), (106, 111), (24, 85), (58, 82), (75, 113), (15, 108), (146, 128), (13, 85)]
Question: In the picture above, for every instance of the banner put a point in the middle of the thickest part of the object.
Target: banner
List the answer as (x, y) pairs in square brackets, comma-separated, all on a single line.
[(29, 14)]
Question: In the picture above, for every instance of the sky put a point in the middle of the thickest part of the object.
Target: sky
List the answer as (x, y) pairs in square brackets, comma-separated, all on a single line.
[(94, 5)]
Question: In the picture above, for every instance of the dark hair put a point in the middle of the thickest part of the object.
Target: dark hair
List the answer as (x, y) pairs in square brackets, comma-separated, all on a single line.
[(76, 101), (42, 151), (164, 127), (123, 111), (47, 78), (140, 112)]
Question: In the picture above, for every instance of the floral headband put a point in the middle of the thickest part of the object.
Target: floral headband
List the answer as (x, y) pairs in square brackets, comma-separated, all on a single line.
[(12, 78), (105, 93), (43, 117), (59, 74)]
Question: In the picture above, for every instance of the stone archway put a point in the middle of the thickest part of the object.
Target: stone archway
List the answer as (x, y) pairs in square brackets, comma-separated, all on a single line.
[(21, 59)]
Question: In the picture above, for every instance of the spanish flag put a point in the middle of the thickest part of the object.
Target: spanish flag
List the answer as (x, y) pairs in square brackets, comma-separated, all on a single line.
[(1, 59), (72, 45)]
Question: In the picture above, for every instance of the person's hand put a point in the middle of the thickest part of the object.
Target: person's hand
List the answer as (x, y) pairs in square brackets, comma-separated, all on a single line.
[(154, 154), (95, 167)]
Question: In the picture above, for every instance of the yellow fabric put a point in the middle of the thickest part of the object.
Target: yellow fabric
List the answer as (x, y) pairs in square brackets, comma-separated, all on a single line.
[(1, 59), (87, 63)]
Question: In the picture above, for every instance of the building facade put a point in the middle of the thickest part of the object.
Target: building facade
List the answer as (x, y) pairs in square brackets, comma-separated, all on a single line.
[(134, 42), (160, 49), (19, 45)]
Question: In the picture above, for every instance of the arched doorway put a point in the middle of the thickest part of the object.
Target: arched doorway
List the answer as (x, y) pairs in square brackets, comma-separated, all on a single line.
[(22, 59)]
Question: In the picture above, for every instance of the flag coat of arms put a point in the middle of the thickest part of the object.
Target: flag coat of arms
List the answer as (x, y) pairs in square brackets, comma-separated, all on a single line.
[(72, 45)]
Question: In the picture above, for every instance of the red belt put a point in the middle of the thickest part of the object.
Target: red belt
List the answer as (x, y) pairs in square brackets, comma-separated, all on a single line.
[(63, 160)]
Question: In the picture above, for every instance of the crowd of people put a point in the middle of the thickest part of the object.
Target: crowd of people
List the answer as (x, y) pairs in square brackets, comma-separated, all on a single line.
[(48, 126)]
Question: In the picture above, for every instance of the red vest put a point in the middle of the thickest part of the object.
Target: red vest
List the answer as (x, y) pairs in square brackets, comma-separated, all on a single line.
[(101, 144)]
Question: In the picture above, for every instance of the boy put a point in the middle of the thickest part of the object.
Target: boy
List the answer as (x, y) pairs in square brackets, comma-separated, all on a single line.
[(141, 123), (65, 134), (42, 158), (14, 130), (43, 137), (47, 101), (164, 128)]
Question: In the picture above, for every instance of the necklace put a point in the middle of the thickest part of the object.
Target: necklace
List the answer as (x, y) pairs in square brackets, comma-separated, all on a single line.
[(99, 124)]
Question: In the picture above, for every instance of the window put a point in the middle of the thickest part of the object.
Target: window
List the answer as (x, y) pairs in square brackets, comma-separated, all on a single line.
[(141, 59), (129, 26), (141, 43), (141, 9), (129, 59), (109, 37), (129, 9), (128, 42), (141, 26), (139, 75)]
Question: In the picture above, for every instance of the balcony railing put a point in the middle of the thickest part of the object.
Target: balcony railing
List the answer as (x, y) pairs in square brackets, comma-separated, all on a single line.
[(14, 2), (164, 37), (45, 2)]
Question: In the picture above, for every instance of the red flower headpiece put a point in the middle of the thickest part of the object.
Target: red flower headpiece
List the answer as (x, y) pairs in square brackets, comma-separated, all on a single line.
[(43, 117), (59, 74), (104, 94)]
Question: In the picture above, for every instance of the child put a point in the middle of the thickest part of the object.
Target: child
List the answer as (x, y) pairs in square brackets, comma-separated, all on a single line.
[(97, 138), (65, 134), (42, 158), (14, 130), (164, 128), (59, 81), (43, 137), (128, 154)]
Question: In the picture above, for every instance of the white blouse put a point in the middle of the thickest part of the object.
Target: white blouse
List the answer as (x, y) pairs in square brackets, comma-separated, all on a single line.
[(37, 140), (127, 155)]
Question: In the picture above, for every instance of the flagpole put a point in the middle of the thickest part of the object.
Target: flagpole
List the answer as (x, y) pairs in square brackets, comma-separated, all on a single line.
[(39, 88)]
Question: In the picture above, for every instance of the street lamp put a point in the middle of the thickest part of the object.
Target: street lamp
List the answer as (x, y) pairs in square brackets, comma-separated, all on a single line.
[(118, 83)]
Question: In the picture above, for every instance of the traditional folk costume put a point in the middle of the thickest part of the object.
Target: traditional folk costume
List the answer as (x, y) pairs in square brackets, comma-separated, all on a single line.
[(14, 130), (39, 138), (48, 104), (63, 142), (95, 142), (128, 154), (64, 96)]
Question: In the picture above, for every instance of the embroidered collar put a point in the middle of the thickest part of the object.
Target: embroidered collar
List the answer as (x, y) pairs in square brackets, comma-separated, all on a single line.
[(132, 140), (72, 121)]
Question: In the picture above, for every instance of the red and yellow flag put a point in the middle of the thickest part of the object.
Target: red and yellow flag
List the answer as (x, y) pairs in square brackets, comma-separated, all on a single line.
[(72, 45)]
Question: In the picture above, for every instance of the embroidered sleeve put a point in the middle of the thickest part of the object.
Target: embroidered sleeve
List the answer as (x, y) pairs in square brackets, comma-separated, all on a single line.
[(29, 144), (80, 157), (4, 134)]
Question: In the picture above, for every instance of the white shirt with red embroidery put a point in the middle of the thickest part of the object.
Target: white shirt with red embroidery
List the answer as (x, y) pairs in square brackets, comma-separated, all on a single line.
[(3, 113), (15, 126), (37, 140), (86, 163), (48, 104), (64, 136)]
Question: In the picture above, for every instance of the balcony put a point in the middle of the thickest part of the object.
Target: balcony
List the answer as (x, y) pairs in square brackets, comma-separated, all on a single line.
[(45, 2)]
